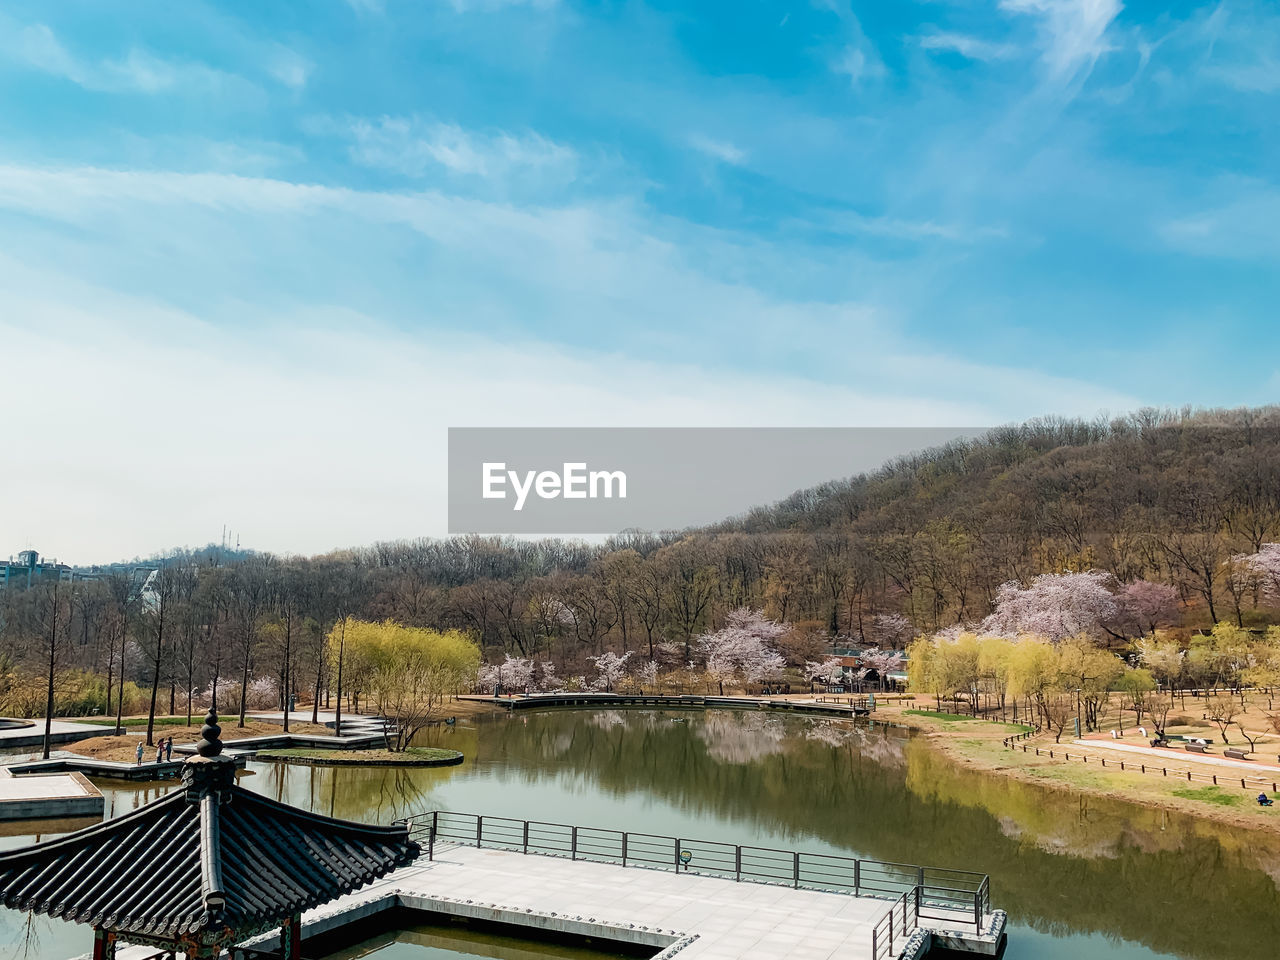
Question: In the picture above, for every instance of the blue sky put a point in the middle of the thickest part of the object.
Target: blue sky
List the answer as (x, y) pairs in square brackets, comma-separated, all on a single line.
[(258, 256)]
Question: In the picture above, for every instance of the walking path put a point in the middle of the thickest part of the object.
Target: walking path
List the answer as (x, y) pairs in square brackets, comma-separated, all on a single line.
[(1168, 757)]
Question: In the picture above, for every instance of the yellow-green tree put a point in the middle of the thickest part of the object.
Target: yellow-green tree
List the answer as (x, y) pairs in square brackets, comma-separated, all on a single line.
[(408, 671), (1089, 672)]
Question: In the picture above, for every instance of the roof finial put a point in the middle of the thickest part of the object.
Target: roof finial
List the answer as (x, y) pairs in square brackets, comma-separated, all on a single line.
[(210, 745)]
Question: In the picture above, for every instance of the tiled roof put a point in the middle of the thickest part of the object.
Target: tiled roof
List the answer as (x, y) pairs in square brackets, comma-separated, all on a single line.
[(210, 862), (178, 867)]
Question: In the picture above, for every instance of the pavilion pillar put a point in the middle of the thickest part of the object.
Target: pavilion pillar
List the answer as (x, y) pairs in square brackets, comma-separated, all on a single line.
[(291, 938), (104, 944)]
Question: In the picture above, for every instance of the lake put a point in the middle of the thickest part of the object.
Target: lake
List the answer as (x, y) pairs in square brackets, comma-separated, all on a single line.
[(1078, 876)]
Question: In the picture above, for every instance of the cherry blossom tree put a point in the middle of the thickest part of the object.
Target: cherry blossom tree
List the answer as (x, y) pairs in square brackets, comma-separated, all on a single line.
[(516, 673), (883, 662), (1145, 607), (742, 647), (1055, 606), (828, 671), (549, 681), (611, 668), (1265, 565), (891, 630), (648, 675)]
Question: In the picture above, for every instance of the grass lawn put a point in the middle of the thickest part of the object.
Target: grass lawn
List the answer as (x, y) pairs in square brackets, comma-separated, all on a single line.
[(1215, 795), (959, 717)]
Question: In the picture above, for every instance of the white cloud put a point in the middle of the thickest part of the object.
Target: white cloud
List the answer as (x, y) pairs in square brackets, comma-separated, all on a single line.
[(1241, 224), (857, 58), (138, 71), (327, 414), (464, 6), (859, 62), (1241, 47), (289, 67), (415, 147), (971, 48), (1073, 33), (721, 150), (901, 228)]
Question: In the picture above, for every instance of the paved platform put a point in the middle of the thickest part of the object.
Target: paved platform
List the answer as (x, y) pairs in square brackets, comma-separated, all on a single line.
[(61, 731), (56, 795), (66, 762), (696, 917)]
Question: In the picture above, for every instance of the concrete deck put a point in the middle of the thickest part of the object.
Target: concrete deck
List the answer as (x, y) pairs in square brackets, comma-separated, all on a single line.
[(61, 731), (66, 762), (700, 918), (57, 795)]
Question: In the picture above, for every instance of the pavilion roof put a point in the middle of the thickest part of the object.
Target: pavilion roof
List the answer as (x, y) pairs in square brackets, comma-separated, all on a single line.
[(213, 862)]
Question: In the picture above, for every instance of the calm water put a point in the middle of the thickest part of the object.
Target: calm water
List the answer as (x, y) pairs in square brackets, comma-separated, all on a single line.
[(431, 942), (1078, 876)]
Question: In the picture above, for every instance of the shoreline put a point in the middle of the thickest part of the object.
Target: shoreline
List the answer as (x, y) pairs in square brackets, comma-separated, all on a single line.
[(1067, 777)]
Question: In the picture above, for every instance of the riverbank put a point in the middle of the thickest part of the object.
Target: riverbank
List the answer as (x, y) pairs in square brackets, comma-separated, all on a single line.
[(977, 744), (124, 747)]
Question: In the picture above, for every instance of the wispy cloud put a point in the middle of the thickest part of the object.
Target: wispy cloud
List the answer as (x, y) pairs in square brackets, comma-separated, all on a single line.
[(1241, 47), (289, 67), (415, 147), (859, 62), (901, 228), (971, 48), (1241, 225), (721, 150), (38, 47), (857, 57), (595, 268), (1073, 33)]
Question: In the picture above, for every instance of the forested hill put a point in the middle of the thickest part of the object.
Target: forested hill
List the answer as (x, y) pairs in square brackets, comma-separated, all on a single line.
[(1061, 479), (1157, 495), (929, 539)]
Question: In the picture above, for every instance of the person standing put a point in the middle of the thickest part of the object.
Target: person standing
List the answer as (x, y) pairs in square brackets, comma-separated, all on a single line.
[(168, 748), (139, 753)]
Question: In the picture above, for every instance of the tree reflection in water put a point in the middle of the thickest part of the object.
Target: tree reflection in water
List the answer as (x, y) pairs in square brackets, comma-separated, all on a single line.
[(1138, 879)]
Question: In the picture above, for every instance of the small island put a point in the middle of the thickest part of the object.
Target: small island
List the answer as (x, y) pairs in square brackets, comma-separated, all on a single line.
[(409, 757)]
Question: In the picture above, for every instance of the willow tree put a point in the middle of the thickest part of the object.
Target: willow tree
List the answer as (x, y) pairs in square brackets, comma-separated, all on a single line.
[(410, 672)]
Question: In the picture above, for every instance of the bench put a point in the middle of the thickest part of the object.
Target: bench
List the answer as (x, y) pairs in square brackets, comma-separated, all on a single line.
[(1235, 754), (1196, 748)]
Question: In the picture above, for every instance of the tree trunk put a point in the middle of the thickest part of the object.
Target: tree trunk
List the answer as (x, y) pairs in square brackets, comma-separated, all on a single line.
[(53, 650), (124, 640), (337, 700)]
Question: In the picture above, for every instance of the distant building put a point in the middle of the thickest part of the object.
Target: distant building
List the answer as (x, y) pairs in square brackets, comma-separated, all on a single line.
[(28, 569)]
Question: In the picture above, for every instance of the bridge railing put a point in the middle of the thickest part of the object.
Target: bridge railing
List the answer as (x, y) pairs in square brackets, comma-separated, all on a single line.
[(959, 897)]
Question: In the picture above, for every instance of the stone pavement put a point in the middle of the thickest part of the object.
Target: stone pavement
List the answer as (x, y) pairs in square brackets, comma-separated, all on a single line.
[(57, 795), (723, 920), (61, 731)]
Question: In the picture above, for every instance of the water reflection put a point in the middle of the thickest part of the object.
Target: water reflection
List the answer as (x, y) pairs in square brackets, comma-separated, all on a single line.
[(1077, 875), (432, 942)]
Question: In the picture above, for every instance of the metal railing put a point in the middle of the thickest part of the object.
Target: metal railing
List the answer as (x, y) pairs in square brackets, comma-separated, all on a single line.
[(959, 897), (898, 924)]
